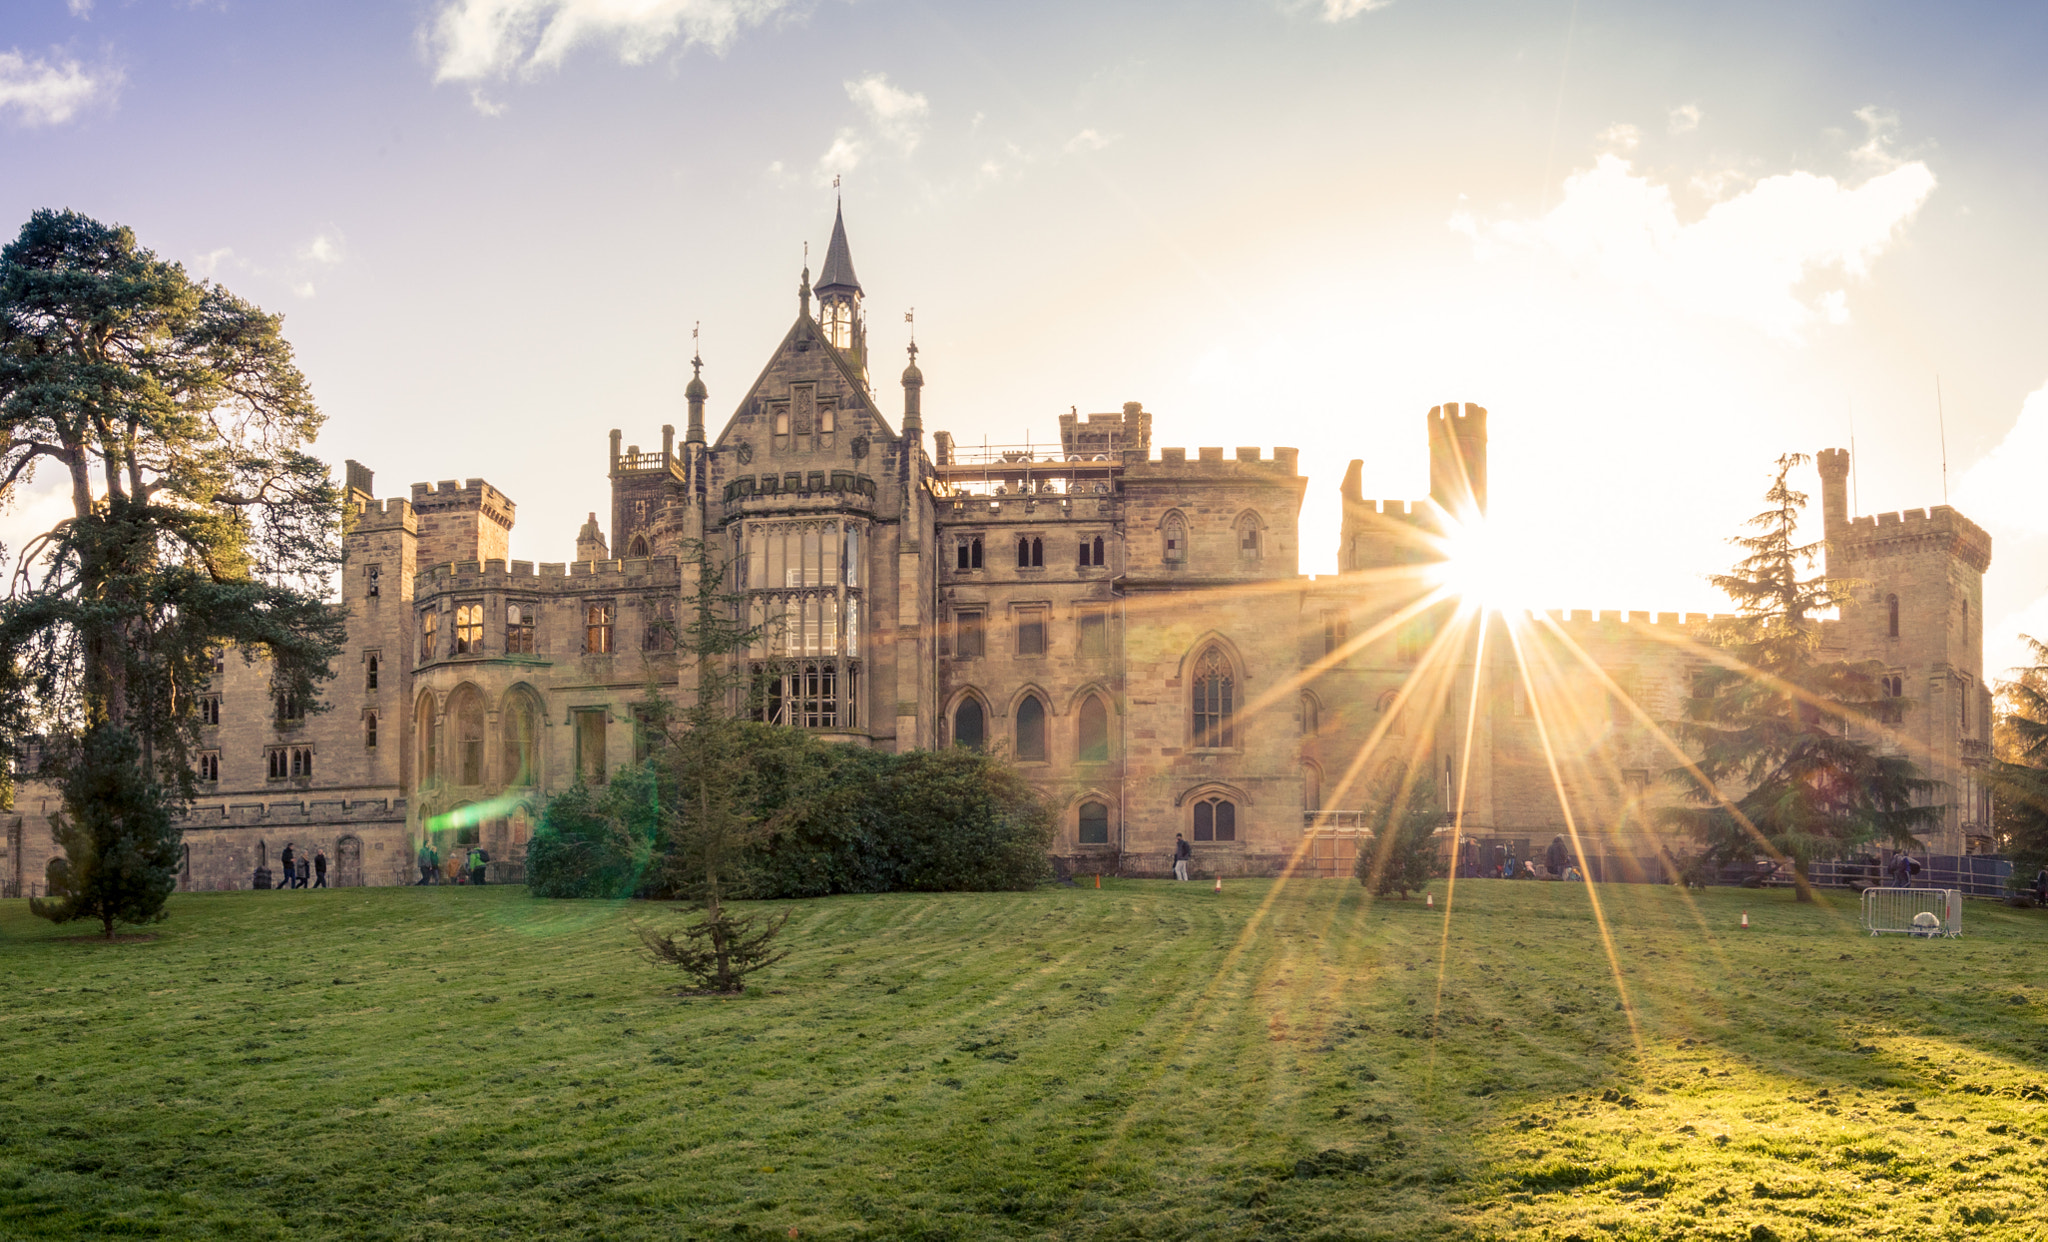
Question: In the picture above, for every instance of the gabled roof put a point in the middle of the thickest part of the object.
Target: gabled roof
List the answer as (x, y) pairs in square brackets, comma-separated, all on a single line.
[(838, 271), (806, 328)]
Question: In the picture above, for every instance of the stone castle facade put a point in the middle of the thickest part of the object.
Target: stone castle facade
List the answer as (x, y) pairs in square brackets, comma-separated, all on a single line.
[(1127, 623)]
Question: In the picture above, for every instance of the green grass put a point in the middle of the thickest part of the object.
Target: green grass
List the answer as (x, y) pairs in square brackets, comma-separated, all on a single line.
[(1148, 1061)]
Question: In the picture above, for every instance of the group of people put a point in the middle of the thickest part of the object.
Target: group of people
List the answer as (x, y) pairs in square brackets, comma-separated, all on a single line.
[(1558, 863), (299, 868), (469, 869)]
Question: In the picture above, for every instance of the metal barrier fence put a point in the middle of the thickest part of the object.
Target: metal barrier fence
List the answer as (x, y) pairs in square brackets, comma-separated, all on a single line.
[(1925, 912)]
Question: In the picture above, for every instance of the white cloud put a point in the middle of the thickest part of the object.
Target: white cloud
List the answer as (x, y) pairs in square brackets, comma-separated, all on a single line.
[(1087, 140), (304, 288), (1620, 137), (44, 92), (898, 115), (1345, 10), (2002, 490), (843, 156), (2004, 653), (472, 40), (1685, 118), (1880, 126), (324, 249), (79, 8), (484, 104), (1746, 258)]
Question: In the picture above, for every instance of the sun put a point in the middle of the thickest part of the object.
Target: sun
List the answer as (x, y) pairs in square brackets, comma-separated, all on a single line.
[(1479, 567)]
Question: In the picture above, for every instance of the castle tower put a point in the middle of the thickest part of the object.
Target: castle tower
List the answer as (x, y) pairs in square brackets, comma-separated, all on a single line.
[(590, 544), (461, 522), (1457, 459), (1918, 610), (839, 294)]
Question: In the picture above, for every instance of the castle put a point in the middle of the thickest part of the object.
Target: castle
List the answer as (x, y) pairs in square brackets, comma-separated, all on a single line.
[(1128, 625)]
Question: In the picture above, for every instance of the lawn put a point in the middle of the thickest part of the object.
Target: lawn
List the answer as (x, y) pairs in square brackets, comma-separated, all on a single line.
[(1150, 1060)]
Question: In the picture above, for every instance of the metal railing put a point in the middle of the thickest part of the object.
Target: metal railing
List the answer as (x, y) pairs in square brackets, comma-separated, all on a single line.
[(1926, 912)]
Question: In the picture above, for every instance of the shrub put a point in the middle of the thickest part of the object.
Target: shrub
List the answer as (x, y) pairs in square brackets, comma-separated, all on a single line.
[(595, 843)]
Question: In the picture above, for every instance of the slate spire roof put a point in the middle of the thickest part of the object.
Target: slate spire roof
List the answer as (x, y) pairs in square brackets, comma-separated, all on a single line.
[(838, 270)]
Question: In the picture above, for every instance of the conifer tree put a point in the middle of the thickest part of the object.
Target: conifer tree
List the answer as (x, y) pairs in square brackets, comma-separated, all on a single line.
[(708, 814), (120, 846), (1402, 809), (174, 412), (1786, 761), (2019, 769)]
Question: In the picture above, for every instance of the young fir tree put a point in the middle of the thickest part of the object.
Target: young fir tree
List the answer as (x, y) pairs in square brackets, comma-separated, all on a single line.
[(120, 845), (1787, 764), (2019, 769), (1402, 809), (709, 814), (197, 520)]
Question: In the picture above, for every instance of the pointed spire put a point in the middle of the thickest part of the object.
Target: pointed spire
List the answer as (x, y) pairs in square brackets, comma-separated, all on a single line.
[(696, 392), (913, 385), (838, 271), (803, 290)]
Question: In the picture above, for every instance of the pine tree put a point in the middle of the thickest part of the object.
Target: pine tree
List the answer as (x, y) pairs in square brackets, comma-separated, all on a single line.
[(2019, 769), (120, 844), (708, 797), (1786, 764), (1401, 807), (197, 520)]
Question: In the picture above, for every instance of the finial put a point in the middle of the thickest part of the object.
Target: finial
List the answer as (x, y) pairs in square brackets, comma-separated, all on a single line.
[(696, 350), (803, 291), (910, 317)]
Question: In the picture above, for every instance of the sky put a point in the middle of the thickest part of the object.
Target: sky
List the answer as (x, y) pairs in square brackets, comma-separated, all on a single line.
[(1662, 244)]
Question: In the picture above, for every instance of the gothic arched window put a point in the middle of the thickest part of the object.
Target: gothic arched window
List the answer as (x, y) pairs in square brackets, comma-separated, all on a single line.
[(522, 736), (1390, 707), (1215, 701), (970, 725), (1094, 823), (468, 713), (1094, 731), (1248, 548), (1891, 607), (1311, 716), (1173, 536), (1215, 819), (429, 753), (639, 548), (1031, 746)]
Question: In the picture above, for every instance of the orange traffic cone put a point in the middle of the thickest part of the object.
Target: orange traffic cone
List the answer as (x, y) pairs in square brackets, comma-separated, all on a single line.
[(1098, 879), (1745, 918), (1219, 883)]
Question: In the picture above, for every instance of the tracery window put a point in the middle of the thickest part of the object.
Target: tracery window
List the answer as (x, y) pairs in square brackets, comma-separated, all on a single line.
[(430, 629), (1173, 535), (1214, 702), (468, 711), (804, 583), (469, 629), (970, 724), (370, 672), (968, 553), (519, 629), (1215, 819), (1092, 730), (1091, 552), (597, 629), (1030, 552), (522, 739), (1031, 730), (1248, 537), (370, 731)]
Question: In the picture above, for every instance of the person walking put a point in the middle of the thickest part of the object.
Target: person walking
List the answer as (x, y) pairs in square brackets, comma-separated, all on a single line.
[(1555, 859), (1182, 853), (1511, 869), (478, 861), (1903, 868), (290, 871), (305, 872), (319, 867), (426, 861)]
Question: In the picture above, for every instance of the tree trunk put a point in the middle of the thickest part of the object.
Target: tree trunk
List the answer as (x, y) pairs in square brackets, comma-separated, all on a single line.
[(1801, 885)]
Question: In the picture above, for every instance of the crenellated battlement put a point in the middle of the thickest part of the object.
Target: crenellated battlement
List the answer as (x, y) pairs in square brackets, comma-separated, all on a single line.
[(794, 484), (529, 576), (1866, 536), (305, 812), (393, 514), (473, 494), (1597, 617), (1208, 460)]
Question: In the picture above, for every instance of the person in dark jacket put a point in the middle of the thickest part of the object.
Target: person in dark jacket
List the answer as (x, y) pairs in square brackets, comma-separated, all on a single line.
[(319, 867), (290, 867), (1904, 868), (1183, 853), (1500, 862), (2041, 885), (1556, 858)]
